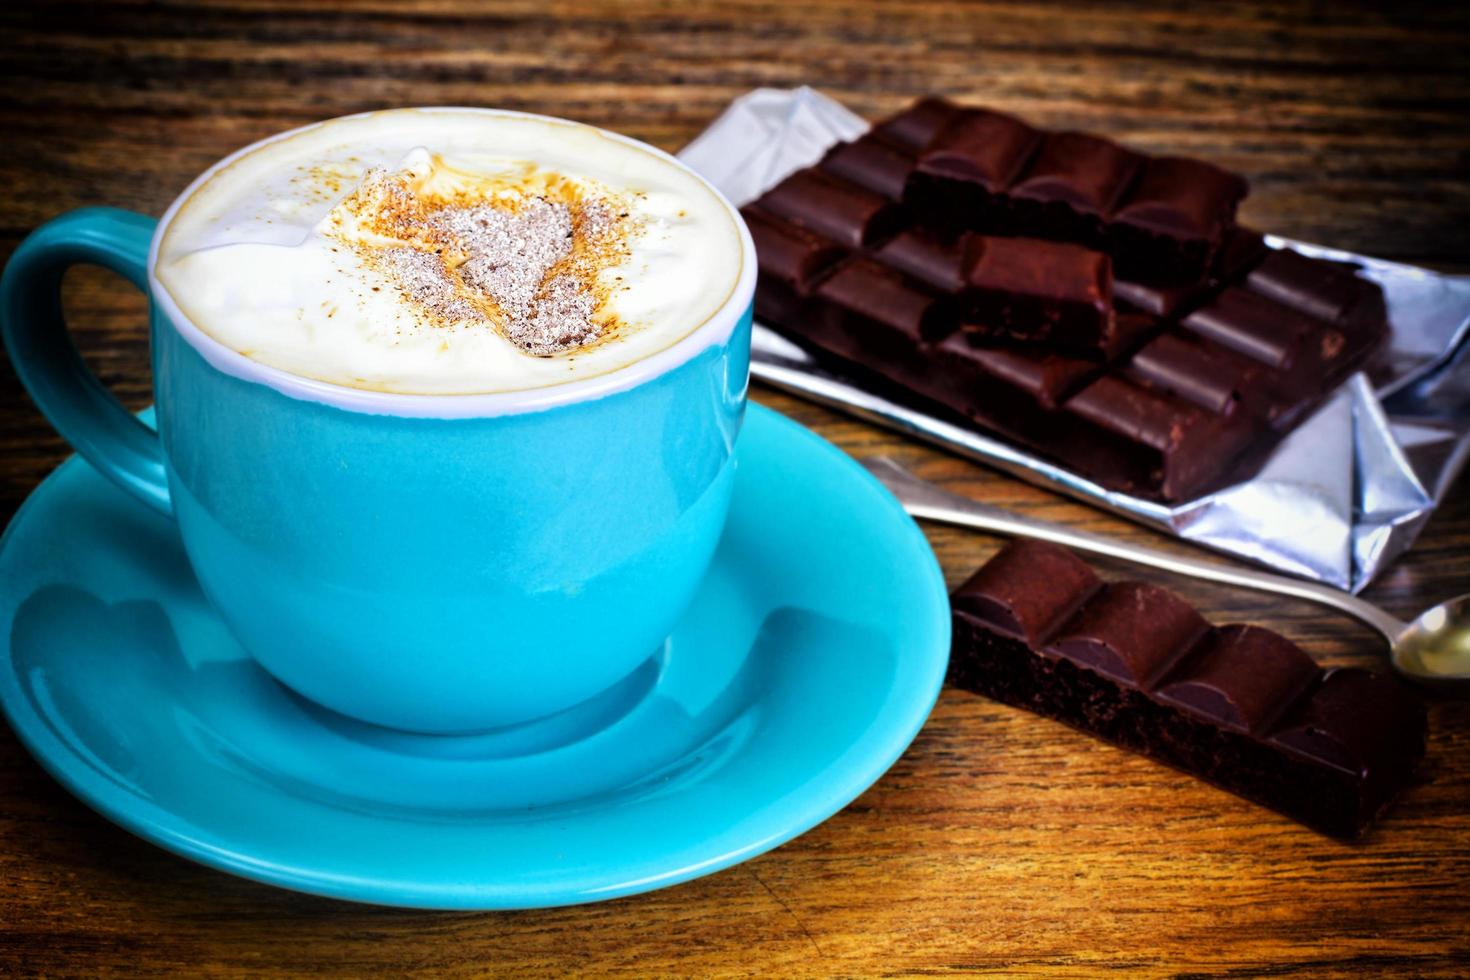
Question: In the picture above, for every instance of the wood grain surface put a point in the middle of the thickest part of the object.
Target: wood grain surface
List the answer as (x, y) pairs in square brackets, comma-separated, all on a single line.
[(1000, 842)]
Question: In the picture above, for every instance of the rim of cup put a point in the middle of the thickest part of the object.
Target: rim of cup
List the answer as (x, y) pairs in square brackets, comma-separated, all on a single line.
[(716, 329)]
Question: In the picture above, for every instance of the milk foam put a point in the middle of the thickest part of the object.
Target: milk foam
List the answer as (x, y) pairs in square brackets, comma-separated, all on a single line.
[(263, 258)]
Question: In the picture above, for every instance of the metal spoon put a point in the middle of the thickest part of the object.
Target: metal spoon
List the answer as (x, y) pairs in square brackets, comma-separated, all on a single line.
[(1433, 649)]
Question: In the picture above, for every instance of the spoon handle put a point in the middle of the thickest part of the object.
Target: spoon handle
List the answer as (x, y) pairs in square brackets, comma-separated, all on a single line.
[(925, 500)]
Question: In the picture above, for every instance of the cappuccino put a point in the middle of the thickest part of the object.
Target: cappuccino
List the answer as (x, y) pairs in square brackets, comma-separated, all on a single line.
[(450, 251)]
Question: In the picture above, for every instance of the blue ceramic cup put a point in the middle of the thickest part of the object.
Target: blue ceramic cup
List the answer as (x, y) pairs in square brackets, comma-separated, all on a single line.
[(426, 562)]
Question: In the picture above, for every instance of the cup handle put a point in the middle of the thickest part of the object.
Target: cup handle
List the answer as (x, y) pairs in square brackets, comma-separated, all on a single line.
[(86, 414)]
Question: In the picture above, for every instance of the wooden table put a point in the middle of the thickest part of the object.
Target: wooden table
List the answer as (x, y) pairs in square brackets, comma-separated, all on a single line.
[(1000, 841)]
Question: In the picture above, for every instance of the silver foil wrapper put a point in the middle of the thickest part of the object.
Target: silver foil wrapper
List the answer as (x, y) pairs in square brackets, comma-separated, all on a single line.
[(1342, 496)]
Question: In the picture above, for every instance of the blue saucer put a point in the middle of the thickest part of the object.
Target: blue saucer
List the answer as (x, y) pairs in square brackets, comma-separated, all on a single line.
[(812, 654)]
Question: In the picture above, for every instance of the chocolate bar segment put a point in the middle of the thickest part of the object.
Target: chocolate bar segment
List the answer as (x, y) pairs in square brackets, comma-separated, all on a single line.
[(942, 265), (1262, 329), (1130, 631), (791, 260), (1215, 379), (1028, 590), (1238, 706), (915, 126), (1040, 292), (788, 251), (868, 311), (1174, 219), (992, 384), (1353, 733), (1141, 436), (1321, 289), (980, 147), (872, 163), (847, 214), (1240, 677)]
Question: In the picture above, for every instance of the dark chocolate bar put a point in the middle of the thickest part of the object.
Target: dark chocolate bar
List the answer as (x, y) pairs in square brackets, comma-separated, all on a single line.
[(1164, 392), (1162, 219), (1238, 706)]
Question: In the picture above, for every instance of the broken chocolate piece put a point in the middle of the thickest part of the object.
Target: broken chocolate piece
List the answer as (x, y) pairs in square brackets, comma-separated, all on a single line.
[(1238, 706)]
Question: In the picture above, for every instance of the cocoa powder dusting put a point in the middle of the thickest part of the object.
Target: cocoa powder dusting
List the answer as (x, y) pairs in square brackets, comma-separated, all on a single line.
[(526, 266)]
